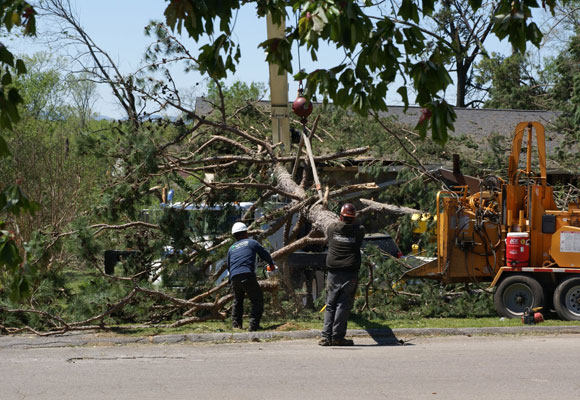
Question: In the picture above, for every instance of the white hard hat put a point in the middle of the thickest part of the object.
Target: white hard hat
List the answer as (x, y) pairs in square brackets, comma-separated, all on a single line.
[(239, 227)]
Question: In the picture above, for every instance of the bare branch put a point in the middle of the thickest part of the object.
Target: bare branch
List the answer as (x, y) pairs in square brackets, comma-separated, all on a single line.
[(376, 206)]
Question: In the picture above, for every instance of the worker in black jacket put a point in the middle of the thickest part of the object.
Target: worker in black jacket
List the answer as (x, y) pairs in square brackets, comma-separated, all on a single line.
[(343, 261), (241, 263)]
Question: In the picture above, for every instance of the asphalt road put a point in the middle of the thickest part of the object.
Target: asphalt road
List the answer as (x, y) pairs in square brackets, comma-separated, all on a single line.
[(454, 367)]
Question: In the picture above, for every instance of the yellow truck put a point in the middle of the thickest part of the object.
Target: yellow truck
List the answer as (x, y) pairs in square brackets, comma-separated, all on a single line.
[(512, 234)]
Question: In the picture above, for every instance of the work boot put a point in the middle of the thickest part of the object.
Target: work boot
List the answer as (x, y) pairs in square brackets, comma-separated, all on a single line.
[(236, 325), (324, 342), (342, 342)]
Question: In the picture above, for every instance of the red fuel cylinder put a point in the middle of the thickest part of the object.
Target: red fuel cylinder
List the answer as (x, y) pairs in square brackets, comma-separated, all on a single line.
[(517, 249)]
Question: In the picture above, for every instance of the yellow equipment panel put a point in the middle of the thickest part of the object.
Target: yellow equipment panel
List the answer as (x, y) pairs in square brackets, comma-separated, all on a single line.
[(565, 249)]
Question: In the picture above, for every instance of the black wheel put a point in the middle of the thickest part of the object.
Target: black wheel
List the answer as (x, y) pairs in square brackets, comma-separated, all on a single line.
[(567, 299), (516, 293)]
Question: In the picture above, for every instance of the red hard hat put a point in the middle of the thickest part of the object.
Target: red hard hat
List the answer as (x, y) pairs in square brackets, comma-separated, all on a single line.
[(348, 210)]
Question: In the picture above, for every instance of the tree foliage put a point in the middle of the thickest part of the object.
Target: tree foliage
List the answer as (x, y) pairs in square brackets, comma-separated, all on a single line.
[(378, 48), (47, 166), (13, 14), (464, 30), (13, 201), (510, 83), (566, 96)]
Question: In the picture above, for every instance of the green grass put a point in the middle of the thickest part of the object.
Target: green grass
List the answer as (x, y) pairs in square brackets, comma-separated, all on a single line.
[(307, 320), (354, 323)]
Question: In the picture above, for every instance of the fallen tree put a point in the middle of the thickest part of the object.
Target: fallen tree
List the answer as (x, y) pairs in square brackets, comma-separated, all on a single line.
[(215, 158)]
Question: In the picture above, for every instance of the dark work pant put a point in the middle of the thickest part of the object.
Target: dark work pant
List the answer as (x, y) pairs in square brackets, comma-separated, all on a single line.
[(340, 291), (247, 284)]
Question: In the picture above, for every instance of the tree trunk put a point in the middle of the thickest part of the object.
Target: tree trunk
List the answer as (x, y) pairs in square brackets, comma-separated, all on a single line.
[(461, 83), (317, 215)]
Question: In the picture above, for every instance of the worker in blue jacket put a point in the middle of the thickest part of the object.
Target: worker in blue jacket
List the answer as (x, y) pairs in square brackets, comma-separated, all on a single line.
[(241, 263)]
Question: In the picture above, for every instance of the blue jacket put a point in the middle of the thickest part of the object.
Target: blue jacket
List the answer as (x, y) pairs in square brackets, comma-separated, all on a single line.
[(242, 257)]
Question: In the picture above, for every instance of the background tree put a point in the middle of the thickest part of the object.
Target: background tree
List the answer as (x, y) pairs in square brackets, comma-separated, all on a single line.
[(20, 14), (565, 94), (45, 143), (509, 83), (562, 24), (465, 31), (83, 92)]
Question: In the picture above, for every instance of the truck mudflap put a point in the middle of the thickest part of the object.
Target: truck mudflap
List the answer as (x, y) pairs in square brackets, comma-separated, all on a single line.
[(429, 270)]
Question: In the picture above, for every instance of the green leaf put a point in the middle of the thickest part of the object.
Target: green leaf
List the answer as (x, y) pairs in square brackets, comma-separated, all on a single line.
[(20, 67), (18, 288), (408, 11), (429, 6), (404, 96), (14, 201), (9, 256), (475, 4), (6, 57), (6, 79), (301, 75), (534, 34)]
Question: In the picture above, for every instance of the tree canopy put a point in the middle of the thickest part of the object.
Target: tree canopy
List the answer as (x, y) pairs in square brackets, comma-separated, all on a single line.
[(379, 44), (19, 14)]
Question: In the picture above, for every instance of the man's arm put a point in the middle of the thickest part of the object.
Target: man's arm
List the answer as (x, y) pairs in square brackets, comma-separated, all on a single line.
[(264, 254), (329, 233)]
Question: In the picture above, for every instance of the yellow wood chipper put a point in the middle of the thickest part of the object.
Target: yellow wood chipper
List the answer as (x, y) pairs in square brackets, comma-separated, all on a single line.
[(512, 234)]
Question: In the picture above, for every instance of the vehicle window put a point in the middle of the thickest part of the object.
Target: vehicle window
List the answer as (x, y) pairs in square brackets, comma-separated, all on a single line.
[(200, 221), (384, 244), (214, 222)]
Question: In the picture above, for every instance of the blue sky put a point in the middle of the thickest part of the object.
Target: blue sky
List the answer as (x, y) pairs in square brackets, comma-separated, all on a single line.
[(118, 27)]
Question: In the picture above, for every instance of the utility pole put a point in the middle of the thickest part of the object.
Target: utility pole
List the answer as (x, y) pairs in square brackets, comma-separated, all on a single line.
[(278, 93)]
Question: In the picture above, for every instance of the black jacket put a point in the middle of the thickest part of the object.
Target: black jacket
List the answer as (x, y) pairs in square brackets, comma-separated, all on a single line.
[(344, 242)]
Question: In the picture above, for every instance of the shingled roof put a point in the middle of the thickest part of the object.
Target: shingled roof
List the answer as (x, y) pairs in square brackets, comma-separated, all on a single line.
[(470, 121), (480, 123), (477, 124)]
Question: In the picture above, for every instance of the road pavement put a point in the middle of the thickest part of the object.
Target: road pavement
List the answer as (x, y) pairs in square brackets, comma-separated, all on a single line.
[(401, 366)]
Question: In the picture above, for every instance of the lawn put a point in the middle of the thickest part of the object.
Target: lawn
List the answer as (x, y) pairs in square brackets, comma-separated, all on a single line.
[(354, 323)]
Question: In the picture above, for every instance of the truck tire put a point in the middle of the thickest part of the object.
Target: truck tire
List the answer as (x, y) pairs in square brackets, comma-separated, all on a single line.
[(567, 299), (516, 293)]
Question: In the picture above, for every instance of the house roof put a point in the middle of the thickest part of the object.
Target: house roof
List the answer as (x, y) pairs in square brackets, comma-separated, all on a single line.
[(482, 122), (476, 124)]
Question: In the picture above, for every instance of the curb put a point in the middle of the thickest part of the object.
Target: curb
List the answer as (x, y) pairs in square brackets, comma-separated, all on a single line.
[(76, 339)]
